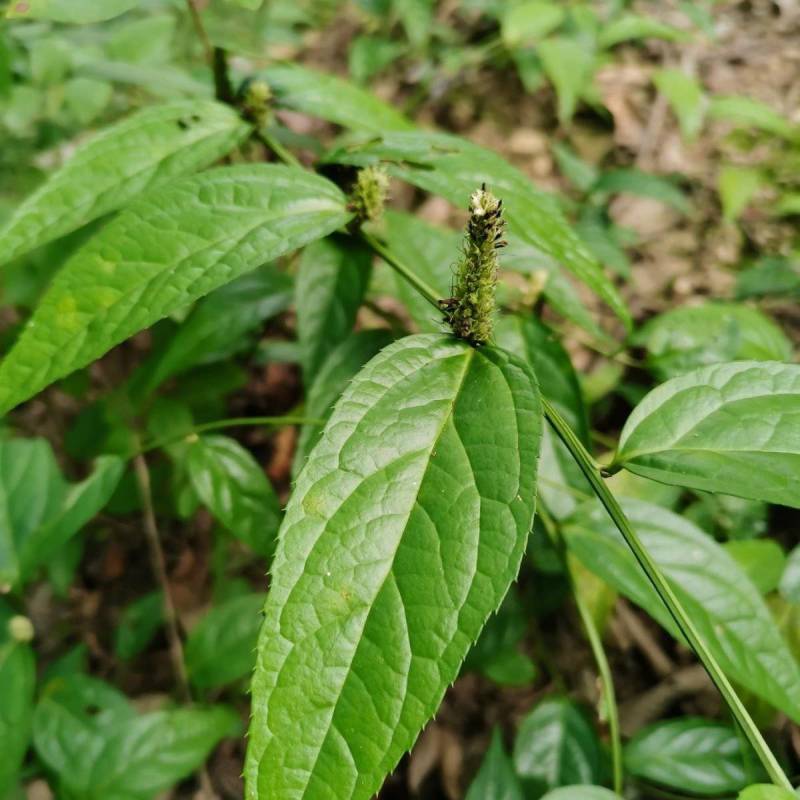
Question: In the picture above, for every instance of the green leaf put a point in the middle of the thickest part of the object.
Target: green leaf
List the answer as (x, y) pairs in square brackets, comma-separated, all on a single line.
[(221, 648), (730, 428), (686, 99), (39, 510), (229, 481), (332, 99), (454, 168), (432, 250), (765, 791), (769, 276), (404, 531), (217, 327), (416, 16), (691, 755), (496, 654), (524, 23), (86, 98), (686, 338), (160, 254), (569, 64), (556, 746), (339, 368), (138, 624), (581, 174), (578, 792), (737, 187), (630, 27), (144, 40), (100, 749), (763, 560), (643, 184), (331, 281), (724, 605), (752, 114), (496, 779), (560, 479), (17, 687), (77, 12), (370, 55), (146, 150), (790, 579)]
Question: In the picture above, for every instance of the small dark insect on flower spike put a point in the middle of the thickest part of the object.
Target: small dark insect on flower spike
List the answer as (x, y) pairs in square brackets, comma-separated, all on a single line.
[(369, 194), (469, 312)]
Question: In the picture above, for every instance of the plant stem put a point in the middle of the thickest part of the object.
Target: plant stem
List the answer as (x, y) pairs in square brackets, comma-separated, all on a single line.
[(668, 597), (232, 422), (271, 143), (398, 266), (159, 567), (200, 30), (598, 651)]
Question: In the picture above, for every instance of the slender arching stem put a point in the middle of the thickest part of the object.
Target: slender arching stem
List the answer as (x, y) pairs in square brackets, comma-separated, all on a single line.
[(232, 422), (598, 651), (668, 597), (398, 266)]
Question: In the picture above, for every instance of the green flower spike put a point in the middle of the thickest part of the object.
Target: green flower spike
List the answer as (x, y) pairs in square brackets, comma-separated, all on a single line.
[(369, 194), (470, 310), (255, 98)]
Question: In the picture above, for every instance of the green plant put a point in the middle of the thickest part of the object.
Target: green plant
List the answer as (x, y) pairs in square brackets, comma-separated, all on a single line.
[(449, 453)]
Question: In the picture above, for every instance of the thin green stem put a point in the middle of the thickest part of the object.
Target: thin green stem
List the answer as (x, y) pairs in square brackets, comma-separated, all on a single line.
[(271, 143), (233, 422), (398, 266), (598, 651), (668, 597)]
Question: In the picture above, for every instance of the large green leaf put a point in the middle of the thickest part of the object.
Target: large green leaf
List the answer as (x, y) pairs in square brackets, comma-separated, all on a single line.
[(685, 338), (454, 168), (560, 479), (221, 648), (148, 149), (39, 509), (331, 282), (333, 99), (556, 746), (160, 254), (496, 779), (724, 605), (229, 481), (17, 686), (100, 749), (690, 755), (334, 375), (79, 12), (731, 428), (404, 531)]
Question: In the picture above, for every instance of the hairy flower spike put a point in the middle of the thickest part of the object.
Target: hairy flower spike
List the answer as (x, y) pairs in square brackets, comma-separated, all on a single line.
[(369, 194), (469, 312), (255, 98)]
